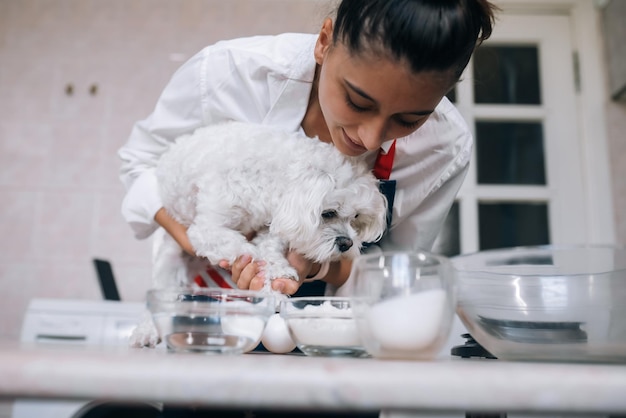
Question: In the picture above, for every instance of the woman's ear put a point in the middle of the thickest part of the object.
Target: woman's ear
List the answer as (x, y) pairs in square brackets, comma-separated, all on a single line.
[(324, 41)]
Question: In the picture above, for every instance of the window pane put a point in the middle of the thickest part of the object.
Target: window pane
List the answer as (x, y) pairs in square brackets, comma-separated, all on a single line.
[(510, 153), (512, 224), (448, 241), (506, 75)]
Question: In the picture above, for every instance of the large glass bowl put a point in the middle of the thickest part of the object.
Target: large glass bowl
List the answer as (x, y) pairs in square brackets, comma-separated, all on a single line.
[(211, 320), (552, 303)]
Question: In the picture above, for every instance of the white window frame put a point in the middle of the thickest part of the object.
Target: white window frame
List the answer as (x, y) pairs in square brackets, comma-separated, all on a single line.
[(592, 221)]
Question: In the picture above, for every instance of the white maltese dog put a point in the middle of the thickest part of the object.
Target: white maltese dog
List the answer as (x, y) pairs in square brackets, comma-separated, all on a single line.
[(227, 181)]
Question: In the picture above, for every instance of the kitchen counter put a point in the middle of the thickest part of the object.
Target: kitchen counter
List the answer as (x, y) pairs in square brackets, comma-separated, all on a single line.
[(263, 380)]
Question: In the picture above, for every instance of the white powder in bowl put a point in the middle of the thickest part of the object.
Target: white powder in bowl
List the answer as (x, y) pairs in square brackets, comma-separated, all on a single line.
[(320, 328), (410, 322)]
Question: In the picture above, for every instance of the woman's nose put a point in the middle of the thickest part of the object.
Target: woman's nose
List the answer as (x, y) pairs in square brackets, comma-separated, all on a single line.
[(373, 132)]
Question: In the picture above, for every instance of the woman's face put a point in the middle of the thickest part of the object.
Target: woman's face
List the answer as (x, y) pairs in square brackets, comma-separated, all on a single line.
[(368, 99)]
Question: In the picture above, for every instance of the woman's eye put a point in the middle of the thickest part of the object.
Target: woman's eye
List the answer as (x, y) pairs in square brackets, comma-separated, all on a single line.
[(329, 214), (354, 106), (407, 124)]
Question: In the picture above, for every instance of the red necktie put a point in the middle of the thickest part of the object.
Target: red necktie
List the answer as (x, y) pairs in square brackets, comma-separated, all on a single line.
[(384, 163)]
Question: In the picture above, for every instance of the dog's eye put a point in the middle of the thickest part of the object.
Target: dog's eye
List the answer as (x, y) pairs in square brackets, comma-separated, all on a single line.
[(356, 216), (329, 214)]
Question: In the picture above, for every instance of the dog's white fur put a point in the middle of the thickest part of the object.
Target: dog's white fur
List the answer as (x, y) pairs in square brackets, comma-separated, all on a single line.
[(297, 193)]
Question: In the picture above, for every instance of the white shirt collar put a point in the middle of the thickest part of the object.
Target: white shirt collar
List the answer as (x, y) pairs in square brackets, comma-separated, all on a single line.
[(386, 145)]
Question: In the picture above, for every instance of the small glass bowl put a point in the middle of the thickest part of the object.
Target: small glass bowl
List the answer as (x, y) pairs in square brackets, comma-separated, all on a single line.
[(221, 321), (322, 326)]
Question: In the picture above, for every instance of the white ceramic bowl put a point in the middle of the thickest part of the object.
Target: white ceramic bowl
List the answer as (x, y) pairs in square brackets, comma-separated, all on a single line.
[(552, 303), (403, 303), (322, 326), (227, 321)]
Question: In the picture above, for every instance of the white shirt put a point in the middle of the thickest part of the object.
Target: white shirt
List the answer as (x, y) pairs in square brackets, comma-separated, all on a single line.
[(268, 80)]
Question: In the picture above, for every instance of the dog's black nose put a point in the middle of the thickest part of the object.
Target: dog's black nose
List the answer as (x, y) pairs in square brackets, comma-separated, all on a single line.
[(343, 243)]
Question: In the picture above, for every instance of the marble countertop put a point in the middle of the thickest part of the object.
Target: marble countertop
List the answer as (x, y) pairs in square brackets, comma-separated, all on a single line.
[(260, 380)]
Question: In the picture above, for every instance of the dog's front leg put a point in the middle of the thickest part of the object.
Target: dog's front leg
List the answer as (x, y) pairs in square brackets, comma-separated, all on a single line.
[(273, 251), (216, 243)]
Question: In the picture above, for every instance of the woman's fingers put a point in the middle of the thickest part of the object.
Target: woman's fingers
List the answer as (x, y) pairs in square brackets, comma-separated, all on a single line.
[(238, 266), (257, 282), (248, 274)]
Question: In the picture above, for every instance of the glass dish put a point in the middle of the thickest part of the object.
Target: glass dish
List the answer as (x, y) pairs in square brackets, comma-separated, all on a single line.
[(224, 321), (322, 326), (403, 303)]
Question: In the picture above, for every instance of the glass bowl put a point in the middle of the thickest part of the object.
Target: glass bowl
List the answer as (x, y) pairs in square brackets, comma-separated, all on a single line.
[(211, 320), (549, 303), (322, 326), (403, 303)]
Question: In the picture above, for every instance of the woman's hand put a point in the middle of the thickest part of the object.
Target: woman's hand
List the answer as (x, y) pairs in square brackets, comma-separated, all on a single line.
[(248, 274)]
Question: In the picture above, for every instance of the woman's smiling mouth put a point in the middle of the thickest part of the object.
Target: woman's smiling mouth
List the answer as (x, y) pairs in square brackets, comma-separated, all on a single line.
[(352, 144)]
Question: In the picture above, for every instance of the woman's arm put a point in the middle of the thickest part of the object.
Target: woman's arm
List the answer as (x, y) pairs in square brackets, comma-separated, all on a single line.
[(176, 230), (178, 111), (338, 272)]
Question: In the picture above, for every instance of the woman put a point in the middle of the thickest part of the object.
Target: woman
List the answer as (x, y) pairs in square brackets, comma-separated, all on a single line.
[(372, 83)]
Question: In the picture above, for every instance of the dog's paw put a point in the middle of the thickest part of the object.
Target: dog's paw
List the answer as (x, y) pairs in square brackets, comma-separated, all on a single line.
[(277, 296), (144, 335), (276, 271)]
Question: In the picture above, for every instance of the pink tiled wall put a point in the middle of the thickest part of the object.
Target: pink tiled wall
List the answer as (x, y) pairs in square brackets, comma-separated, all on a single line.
[(59, 190)]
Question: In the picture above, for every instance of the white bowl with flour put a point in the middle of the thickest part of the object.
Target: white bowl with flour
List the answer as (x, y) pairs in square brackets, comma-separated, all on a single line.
[(323, 326), (403, 303)]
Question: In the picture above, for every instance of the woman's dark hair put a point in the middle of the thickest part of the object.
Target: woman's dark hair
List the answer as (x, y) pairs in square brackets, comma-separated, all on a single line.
[(431, 35)]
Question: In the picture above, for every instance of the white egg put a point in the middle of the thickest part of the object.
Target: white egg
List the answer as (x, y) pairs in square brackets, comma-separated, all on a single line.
[(276, 336)]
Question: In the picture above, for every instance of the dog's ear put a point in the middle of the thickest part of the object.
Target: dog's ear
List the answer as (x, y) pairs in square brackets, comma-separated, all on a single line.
[(300, 211), (372, 220)]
